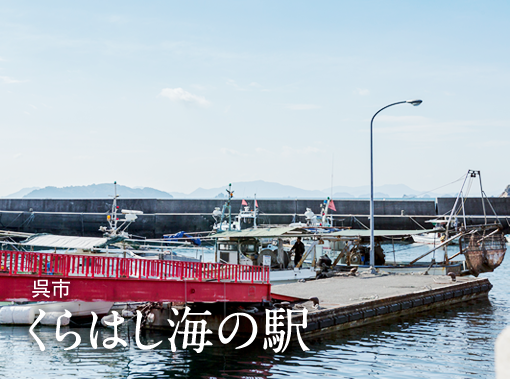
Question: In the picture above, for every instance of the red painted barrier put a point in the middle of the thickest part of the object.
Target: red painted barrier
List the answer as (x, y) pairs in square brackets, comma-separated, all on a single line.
[(19, 263), (138, 279)]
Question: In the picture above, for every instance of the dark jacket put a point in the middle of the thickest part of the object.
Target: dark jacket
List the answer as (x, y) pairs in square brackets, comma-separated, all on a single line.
[(298, 248)]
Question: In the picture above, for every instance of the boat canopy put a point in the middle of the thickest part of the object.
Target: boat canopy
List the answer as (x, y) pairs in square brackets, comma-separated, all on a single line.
[(307, 232), (263, 233), (383, 233), (65, 242)]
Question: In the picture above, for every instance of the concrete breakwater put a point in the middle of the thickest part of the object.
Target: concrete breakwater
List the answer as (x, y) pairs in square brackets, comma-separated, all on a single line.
[(84, 217)]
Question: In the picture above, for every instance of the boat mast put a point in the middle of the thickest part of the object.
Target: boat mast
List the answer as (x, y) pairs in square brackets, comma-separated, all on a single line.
[(255, 211), (230, 195), (113, 220), (459, 195), (325, 211), (483, 200)]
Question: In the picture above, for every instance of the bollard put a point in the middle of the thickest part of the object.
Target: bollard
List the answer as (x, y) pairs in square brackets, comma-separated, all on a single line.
[(502, 354)]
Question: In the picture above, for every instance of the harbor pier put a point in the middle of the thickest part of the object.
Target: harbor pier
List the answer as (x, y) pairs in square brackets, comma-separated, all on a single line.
[(345, 302), (215, 291)]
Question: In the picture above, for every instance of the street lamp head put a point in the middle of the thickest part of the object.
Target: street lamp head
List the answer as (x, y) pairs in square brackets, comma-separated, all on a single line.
[(414, 102)]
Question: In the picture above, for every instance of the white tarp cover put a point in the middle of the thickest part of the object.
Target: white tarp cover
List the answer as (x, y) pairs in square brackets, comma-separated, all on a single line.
[(65, 242)]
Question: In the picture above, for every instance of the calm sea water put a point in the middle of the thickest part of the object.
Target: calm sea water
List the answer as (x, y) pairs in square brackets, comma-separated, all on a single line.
[(449, 343)]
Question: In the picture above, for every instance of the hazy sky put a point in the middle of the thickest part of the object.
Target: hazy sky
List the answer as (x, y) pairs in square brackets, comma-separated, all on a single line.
[(178, 95)]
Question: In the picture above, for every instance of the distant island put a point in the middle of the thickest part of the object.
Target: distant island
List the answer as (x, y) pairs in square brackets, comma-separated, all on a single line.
[(260, 188), (93, 191)]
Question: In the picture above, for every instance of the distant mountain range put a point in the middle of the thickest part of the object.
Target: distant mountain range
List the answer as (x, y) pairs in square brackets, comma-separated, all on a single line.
[(21, 193), (94, 191), (265, 190), (262, 189)]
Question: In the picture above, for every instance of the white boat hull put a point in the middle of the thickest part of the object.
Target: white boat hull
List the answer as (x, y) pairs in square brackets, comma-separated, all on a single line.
[(431, 239), (81, 310)]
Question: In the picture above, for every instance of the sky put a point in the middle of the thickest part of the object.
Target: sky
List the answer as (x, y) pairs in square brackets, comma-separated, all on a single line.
[(179, 95)]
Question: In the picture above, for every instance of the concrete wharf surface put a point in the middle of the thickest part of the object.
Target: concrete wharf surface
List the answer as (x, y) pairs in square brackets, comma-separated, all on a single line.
[(347, 302)]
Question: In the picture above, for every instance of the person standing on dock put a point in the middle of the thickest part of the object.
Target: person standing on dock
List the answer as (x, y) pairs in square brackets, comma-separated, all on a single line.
[(299, 250)]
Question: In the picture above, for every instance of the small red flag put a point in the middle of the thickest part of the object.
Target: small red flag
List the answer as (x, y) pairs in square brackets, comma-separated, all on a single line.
[(244, 202), (332, 206), (256, 204)]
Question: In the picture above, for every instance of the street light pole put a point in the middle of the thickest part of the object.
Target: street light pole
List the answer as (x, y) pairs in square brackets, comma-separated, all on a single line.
[(372, 251)]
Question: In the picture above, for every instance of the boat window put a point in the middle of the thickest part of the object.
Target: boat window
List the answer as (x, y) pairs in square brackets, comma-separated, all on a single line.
[(228, 246), (248, 248)]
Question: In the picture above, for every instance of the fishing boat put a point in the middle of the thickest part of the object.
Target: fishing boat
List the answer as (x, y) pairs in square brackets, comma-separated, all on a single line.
[(344, 250), (246, 218), (483, 246), (115, 242), (350, 251), (439, 236), (264, 247), (432, 238)]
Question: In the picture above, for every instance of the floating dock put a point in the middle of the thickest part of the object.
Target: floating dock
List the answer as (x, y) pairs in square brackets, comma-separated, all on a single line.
[(344, 301), (347, 301)]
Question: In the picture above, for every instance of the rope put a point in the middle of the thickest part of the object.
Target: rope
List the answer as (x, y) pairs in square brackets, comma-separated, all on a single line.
[(417, 223), (493, 210), (18, 216), (28, 220), (359, 222), (435, 189)]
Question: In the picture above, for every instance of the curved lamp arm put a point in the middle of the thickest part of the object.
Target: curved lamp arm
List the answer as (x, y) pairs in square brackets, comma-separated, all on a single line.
[(372, 252)]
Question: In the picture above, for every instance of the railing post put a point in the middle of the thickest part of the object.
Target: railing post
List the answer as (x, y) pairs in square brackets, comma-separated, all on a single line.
[(10, 264), (69, 260)]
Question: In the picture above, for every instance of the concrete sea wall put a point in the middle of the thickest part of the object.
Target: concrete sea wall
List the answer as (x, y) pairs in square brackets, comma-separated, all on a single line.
[(84, 217)]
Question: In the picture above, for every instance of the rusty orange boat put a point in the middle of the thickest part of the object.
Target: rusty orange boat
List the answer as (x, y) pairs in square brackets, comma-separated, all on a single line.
[(484, 253)]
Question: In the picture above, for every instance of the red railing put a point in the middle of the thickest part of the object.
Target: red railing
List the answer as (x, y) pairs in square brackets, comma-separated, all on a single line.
[(19, 263)]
